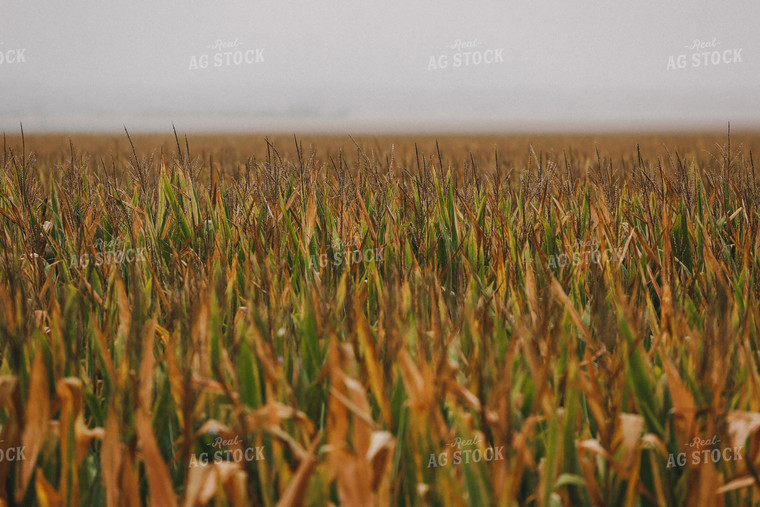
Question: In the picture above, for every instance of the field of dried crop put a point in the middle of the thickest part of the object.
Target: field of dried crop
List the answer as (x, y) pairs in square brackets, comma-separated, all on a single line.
[(521, 320)]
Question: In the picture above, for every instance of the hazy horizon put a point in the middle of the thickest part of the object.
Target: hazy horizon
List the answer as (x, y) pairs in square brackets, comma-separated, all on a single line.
[(273, 66)]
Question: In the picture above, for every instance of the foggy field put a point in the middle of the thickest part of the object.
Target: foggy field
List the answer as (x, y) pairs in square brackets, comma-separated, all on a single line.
[(394, 320)]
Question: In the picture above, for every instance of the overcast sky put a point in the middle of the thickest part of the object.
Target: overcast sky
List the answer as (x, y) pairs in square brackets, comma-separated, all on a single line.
[(378, 66)]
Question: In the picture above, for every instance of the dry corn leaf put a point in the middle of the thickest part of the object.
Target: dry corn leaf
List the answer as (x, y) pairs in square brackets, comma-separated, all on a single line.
[(203, 481), (703, 487), (631, 427), (741, 425), (746, 481), (683, 403), (159, 482), (354, 481), (559, 293), (418, 388), (374, 368), (379, 455), (110, 459), (295, 493), (47, 496), (36, 418)]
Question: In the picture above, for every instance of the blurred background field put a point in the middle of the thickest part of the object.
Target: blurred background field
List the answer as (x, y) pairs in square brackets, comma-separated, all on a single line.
[(238, 147)]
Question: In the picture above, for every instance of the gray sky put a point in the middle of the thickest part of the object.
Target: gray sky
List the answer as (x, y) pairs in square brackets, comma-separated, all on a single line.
[(366, 66)]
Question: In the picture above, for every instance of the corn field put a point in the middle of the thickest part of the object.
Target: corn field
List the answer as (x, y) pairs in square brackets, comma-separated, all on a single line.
[(377, 324)]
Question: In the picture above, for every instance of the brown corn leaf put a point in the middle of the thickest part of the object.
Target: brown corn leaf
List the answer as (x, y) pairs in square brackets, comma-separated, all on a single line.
[(273, 413), (8, 390), (419, 389), (354, 481), (531, 293), (741, 425), (379, 455), (145, 391), (296, 490), (203, 481), (130, 490), (125, 308), (631, 427), (47, 496), (738, 483), (559, 293), (201, 485), (361, 426), (159, 482), (374, 368), (703, 487), (683, 402), (110, 459), (35, 420), (310, 219)]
